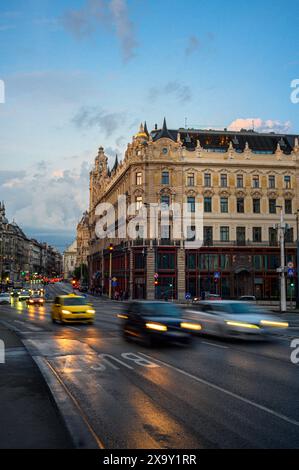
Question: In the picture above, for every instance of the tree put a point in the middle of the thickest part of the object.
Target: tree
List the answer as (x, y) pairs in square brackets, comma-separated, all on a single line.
[(77, 273)]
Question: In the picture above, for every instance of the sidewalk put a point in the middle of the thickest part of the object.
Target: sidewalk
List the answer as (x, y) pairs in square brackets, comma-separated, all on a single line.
[(29, 417)]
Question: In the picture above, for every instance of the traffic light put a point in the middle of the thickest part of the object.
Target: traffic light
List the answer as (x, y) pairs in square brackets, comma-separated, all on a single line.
[(156, 282), (292, 284), (111, 247)]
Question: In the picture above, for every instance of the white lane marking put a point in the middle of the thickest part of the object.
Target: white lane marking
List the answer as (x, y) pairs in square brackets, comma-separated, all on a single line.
[(215, 345), (29, 327), (226, 392), (14, 352), (10, 326)]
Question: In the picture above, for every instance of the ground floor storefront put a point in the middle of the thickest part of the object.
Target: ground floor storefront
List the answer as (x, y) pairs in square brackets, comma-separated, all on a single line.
[(171, 272)]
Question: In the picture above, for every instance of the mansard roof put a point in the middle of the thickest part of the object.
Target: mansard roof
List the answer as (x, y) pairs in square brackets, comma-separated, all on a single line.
[(220, 140), (164, 133)]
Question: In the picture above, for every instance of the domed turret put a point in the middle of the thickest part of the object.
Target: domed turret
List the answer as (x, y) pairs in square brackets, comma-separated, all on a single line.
[(142, 134)]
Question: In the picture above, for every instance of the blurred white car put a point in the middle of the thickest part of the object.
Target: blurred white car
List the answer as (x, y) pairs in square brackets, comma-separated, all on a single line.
[(4, 298), (234, 319)]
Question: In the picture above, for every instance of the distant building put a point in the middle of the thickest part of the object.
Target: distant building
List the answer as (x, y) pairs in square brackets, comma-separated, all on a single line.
[(83, 236), (70, 260), (20, 256)]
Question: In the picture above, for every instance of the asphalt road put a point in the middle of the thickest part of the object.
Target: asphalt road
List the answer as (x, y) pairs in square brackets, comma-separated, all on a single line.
[(217, 394)]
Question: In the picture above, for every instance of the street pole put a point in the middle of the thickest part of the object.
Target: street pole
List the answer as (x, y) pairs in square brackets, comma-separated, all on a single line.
[(111, 248), (110, 274), (283, 303), (297, 263)]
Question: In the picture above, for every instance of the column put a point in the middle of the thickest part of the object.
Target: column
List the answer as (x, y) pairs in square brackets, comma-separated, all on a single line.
[(181, 277), (150, 272)]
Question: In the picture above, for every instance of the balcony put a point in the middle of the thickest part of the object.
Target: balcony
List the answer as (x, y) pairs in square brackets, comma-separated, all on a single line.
[(241, 243)]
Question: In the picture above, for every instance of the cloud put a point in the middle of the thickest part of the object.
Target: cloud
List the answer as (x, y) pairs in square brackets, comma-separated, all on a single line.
[(92, 116), (193, 45), (46, 197), (180, 91), (260, 125), (124, 28), (86, 21)]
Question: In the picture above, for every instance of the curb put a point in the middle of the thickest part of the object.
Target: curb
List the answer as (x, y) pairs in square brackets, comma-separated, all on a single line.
[(82, 434)]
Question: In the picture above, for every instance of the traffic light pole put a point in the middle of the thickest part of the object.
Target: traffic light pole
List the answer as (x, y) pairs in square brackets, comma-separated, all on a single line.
[(110, 274)]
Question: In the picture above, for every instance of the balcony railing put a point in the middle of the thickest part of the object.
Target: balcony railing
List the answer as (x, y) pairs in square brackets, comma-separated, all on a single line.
[(215, 243)]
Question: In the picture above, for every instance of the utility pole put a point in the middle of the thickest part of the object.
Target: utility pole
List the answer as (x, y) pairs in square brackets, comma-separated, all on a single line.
[(283, 302), (297, 283)]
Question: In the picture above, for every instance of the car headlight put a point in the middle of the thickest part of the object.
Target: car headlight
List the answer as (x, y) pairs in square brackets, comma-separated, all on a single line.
[(242, 325), (66, 312), (276, 324), (191, 326), (156, 326), (90, 311)]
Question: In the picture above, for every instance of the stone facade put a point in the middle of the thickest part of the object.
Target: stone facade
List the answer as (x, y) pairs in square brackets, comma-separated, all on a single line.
[(240, 178), (19, 254), (83, 237)]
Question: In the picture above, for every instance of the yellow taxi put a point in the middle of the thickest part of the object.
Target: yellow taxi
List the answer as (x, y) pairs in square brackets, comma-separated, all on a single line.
[(72, 308)]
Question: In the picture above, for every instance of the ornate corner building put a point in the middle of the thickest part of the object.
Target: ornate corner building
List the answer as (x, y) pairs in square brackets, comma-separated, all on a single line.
[(240, 178)]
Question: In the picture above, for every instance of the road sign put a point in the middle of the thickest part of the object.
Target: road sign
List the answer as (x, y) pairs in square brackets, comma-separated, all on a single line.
[(114, 279), (156, 275), (291, 272), (188, 296), (217, 275), (291, 265)]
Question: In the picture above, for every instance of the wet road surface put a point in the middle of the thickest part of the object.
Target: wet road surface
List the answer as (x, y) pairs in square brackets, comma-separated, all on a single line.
[(216, 394)]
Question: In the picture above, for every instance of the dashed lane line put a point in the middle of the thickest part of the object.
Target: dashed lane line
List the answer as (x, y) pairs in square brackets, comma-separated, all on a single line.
[(225, 391), (215, 345)]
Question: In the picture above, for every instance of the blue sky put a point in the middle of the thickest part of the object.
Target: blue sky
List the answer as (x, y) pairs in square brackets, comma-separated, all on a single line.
[(84, 73)]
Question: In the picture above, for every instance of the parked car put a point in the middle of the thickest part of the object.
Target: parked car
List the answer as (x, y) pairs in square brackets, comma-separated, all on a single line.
[(83, 288), (234, 319), (150, 321), (247, 298), (4, 298), (207, 296)]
